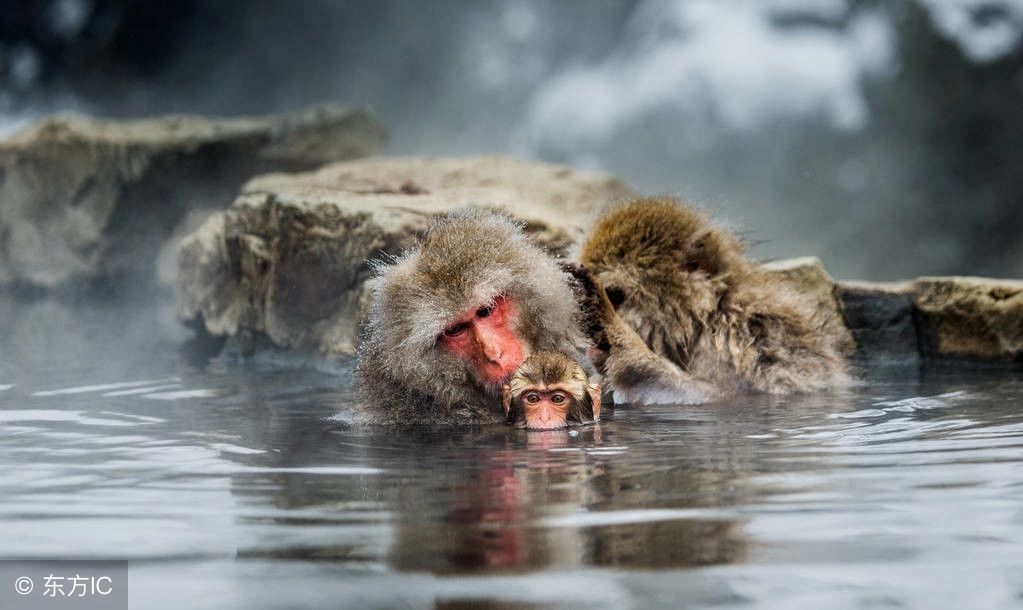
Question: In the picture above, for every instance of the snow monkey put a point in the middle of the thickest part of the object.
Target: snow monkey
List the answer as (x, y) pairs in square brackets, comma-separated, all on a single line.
[(679, 315), (549, 391), (451, 320)]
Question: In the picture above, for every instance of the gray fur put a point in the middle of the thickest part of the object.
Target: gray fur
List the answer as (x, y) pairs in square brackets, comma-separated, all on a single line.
[(464, 261)]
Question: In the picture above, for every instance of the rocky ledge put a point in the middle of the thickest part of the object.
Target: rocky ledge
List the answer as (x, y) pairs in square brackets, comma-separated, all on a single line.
[(286, 264), (930, 318), (89, 202), (959, 318)]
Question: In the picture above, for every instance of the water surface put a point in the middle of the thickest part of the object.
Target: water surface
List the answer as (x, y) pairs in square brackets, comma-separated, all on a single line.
[(238, 484)]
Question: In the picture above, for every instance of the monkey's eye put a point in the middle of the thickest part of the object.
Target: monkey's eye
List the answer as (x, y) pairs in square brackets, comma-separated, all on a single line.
[(457, 329), (615, 295), (532, 398), (557, 398), (483, 312)]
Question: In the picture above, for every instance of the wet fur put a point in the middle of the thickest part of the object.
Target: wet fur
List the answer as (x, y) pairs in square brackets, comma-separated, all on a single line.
[(694, 309), (464, 261)]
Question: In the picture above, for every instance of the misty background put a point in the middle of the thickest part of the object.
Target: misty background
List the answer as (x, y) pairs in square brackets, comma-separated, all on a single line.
[(883, 137)]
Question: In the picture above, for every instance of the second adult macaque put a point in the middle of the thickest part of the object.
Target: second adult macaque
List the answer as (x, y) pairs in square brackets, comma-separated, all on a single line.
[(550, 391), (678, 314)]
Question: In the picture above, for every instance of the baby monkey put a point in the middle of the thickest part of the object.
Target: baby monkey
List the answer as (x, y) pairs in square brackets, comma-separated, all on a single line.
[(548, 391)]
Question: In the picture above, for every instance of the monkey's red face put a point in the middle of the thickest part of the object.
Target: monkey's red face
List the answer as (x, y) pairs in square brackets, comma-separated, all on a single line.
[(484, 338)]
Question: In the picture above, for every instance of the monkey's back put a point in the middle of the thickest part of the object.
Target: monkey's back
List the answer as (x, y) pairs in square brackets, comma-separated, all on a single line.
[(687, 289)]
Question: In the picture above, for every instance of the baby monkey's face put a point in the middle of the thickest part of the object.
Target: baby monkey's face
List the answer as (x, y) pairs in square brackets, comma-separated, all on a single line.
[(548, 391), (546, 408)]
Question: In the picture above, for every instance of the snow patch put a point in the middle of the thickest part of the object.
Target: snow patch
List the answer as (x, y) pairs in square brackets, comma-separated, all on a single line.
[(985, 30), (733, 62)]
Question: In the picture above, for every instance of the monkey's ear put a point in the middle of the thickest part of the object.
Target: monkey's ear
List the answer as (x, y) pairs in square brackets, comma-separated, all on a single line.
[(506, 398), (594, 392)]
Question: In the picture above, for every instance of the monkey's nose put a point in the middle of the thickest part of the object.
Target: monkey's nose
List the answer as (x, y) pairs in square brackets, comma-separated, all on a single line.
[(548, 415), (491, 349)]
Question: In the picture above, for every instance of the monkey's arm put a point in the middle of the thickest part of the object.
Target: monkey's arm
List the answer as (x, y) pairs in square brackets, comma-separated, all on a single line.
[(634, 372), (637, 374)]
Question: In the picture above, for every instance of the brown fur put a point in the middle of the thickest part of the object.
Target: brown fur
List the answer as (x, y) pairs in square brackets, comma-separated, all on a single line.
[(465, 261), (547, 368), (693, 316)]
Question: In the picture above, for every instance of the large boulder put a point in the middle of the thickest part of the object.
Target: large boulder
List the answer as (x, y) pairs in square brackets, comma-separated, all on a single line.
[(87, 202), (288, 260)]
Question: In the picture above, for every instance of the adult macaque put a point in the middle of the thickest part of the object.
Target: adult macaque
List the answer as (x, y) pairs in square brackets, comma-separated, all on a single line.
[(679, 315), (451, 320), (550, 391)]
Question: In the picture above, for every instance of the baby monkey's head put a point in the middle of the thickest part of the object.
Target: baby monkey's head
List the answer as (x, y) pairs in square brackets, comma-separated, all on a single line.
[(550, 390)]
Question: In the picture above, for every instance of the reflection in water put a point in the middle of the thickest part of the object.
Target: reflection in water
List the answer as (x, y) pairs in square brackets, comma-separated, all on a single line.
[(497, 518), (495, 499), (238, 485)]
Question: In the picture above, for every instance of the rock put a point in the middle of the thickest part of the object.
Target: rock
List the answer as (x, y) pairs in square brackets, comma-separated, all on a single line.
[(288, 260), (903, 322), (970, 317), (882, 319), (88, 202), (935, 318), (806, 275)]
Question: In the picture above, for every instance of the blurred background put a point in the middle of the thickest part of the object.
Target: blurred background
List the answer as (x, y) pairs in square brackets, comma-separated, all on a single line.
[(884, 137)]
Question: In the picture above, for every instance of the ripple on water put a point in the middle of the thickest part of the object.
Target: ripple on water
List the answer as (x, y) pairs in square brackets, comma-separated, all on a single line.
[(100, 387)]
